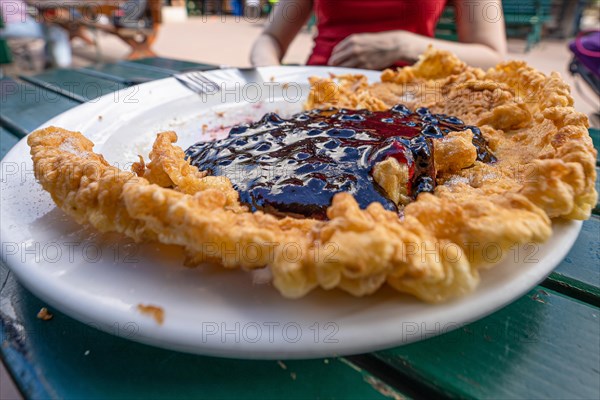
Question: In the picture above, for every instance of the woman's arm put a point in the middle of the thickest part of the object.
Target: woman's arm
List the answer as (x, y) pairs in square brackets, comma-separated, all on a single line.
[(283, 25), (481, 33)]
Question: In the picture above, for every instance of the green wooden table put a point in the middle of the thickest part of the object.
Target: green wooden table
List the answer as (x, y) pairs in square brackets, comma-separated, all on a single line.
[(544, 345)]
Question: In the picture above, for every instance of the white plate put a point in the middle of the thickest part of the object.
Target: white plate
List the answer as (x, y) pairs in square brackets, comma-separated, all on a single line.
[(101, 279)]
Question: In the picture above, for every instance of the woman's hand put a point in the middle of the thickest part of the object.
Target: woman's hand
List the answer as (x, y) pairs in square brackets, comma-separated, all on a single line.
[(370, 50), (482, 41)]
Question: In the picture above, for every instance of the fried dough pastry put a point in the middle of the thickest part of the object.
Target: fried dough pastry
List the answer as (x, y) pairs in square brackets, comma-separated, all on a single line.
[(433, 249), (542, 144)]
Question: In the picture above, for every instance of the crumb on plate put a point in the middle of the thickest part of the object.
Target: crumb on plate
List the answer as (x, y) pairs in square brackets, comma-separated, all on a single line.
[(44, 314), (153, 311)]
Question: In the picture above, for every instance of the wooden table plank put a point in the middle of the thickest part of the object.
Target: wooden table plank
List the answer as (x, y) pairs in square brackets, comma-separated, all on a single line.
[(126, 74), (62, 358), (579, 273), (74, 84), (595, 134), (25, 107), (7, 141), (168, 65), (544, 345), (597, 208)]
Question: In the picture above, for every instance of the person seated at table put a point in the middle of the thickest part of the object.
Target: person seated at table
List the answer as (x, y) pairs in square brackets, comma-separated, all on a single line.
[(377, 34), (18, 24)]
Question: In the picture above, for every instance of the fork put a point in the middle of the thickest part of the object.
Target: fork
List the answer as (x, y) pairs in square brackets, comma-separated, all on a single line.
[(197, 82)]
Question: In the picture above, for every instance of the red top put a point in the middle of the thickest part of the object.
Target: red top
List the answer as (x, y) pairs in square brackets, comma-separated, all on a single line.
[(337, 19)]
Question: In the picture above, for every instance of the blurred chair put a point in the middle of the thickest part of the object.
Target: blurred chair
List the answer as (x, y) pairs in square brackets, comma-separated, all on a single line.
[(523, 19), (5, 54), (21, 29), (136, 22)]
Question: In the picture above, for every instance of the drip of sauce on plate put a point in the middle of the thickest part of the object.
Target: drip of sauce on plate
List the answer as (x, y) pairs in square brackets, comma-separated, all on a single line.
[(295, 166)]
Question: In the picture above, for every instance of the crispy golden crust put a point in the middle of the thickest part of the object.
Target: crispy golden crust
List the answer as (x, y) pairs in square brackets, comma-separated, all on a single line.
[(168, 167), (82, 183), (542, 144), (432, 251), (393, 179)]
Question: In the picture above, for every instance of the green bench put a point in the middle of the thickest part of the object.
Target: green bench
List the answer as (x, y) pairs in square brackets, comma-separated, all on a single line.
[(446, 26), (523, 18), (526, 17), (5, 55)]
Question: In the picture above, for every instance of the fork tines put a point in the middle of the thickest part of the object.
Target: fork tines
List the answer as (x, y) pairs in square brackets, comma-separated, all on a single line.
[(197, 82)]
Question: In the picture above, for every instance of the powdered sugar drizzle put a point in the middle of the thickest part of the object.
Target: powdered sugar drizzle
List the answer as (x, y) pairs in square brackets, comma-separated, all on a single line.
[(70, 147)]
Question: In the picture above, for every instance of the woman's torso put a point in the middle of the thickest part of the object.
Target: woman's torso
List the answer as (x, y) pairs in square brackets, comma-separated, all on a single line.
[(337, 19)]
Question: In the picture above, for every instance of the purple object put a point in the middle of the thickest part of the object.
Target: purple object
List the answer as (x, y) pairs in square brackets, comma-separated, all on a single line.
[(586, 49)]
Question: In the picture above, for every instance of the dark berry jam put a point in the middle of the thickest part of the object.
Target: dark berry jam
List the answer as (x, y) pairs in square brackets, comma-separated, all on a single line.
[(295, 166)]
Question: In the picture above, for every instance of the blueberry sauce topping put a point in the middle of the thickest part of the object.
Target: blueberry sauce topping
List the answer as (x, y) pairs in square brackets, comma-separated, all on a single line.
[(295, 166)]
